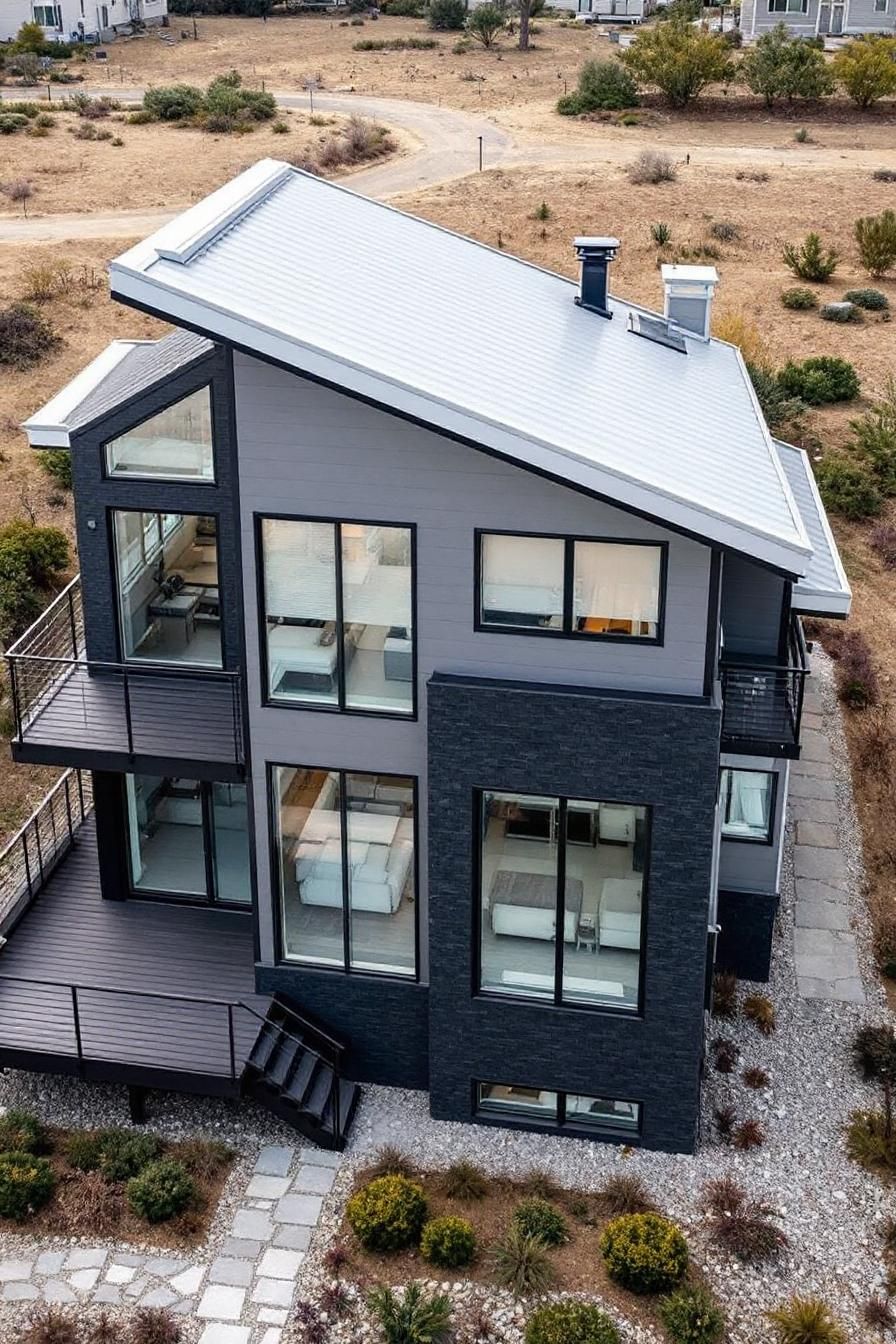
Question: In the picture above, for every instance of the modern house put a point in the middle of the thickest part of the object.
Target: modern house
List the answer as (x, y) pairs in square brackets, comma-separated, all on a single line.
[(818, 18), (435, 667), (80, 20)]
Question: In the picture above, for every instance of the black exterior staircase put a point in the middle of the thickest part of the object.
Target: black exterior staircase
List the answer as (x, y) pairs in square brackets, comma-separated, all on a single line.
[(294, 1069)]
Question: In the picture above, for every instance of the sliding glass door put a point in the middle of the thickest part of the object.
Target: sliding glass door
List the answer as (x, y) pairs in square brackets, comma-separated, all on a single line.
[(188, 839)]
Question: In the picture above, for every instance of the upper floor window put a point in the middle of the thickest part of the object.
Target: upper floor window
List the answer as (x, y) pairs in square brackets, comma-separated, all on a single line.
[(570, 586), (568, 864), (338, 614), (48, 16), (748, 804), (788, 6), (167, 574), (175, 444)]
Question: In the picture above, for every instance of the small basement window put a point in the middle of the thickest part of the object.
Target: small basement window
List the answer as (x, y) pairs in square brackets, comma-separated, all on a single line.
[(567, 1110)]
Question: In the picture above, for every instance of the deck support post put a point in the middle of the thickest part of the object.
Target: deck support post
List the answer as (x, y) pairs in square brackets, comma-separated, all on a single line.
[(137, 1104)]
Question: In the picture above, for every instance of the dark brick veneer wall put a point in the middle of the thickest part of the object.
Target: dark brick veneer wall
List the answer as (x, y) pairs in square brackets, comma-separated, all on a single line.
[(658, 751), (746, 924)]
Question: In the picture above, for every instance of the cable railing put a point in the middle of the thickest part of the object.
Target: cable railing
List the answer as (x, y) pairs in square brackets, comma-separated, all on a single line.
[(43, 841), (763, 701)]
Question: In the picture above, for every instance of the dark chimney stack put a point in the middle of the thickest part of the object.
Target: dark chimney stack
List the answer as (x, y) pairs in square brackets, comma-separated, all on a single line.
[(595, 255)]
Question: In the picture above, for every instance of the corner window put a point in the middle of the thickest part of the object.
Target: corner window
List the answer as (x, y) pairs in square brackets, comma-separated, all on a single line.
[(175, 444), (346, 868), (338, 614), (748, 805), (570, 864), (188, 839), (559, 1109), (568, 586), (167, 571)]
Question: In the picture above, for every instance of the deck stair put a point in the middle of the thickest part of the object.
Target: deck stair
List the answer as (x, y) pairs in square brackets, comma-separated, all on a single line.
[(294, 1069)]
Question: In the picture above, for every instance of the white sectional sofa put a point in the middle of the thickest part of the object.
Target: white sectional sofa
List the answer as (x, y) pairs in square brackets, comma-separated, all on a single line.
[(378, 876)]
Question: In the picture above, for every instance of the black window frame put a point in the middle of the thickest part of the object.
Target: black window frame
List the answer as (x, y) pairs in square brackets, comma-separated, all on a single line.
[(294, 964), (339, 707), (479, 991), (568, 630), (561, 1124), (155, 478), (725, 800)]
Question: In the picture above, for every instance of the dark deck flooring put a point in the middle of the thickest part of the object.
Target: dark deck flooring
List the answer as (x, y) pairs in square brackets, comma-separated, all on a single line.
[(189, 718), (71, 936)]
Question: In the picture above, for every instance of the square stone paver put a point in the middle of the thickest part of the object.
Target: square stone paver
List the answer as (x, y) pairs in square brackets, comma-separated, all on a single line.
[(187, 1282), (320, 1157), (825, 954), (241, 1248), (280, 1264), (841, 991), (107, 1295), (293, 1237), (84, 1279), (15, 1269), (824, 864), (275, 1160), (809, 786), (272, 1316), (814, 912), (222, 1303), (253, 1223), (163, 1266), (235, 1273), (304, 1209), (819, 833), (86, 1257), (267, 1187), (272, 1336), (158, 1297), (20, 1292), (814, 745), (139, 1285), (54, 1290), (273, 1292), (50, 1262), (121, 1274), (225, 1334), (314, 1180), (812, 809)]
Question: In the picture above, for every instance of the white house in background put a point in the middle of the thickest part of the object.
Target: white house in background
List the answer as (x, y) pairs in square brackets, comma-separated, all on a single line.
[(606, 11), (818, 18), (75, 20)]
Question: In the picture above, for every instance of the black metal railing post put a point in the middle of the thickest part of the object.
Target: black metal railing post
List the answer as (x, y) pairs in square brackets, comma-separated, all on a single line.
[(76, 1018), (129, 726), (28, 881), (231, 1041), (72, 623), (337, 1119), (40, 855), (68, 807), (14, 686), (80, 793)]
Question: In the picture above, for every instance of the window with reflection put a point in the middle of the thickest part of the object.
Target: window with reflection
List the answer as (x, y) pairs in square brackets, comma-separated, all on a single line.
[(345, 851), (561, 1109), (567, 864), (339, 614), (748, 804), (174, 444), (188, 838)]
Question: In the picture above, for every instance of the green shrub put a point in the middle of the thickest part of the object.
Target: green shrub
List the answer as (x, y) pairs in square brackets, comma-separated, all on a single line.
[(780, 66), (874, 439), (809, 261), (411, 1317), (83, 1149), (26, 336), (848, 488), (123, 1155), (464, 1180), (26, 1184), (403, 9), (602, 86), (10, 122), (173, 102), (679, 59), (388, 1213), (42, 551), (876, 237), (866, 69), (447, 15), (22, 1132), (840, 312), (782, 411), (485, 23), (226, 98), (799, 299), (691, 1316), (820, 380), (205, 1158), (57, 462), (570, 1322), (538, 1219), (161, 1191), (448, 1242), (806, 1320), (644, 1253), (874, 300), (521, 1264)]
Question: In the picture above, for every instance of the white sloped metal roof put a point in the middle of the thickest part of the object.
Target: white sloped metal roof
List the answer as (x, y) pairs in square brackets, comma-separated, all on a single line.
[(476, 343), (824, 588)]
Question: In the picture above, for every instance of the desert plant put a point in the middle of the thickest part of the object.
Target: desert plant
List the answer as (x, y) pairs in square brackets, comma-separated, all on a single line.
[(783, 412), (876, 239), (448, 1242), (11, 122), (725, 1055), (335, 1299), (866, 69), (884, 175), (26, 336), (840, 312), (521, 1264), (678, 59), (625, 1193), (882, 540), (747, 1135), (26, 1184), (820, 380), (447, 15), (878, 1313), (155, 1325), (538, 1219), (173, 102), (388, 1213), (873, 300), (570, 1322), (90, 1204), (661, 234), (486, 23), (724, 994), (309, 1325), (205, 1158), (871, 1141), (161, 1191), (874, 1050), (755, 1077), (857, 680), (848, 488), (104, 1330), (644, 1253), (724, 231), (22, 1132), (51, 1325), (759, 1009), (724, 1118), (651, 167), (805, 1320), (742, 1226), (464, 1180), (691, 1316), (539, 1184), (874, 439), (780, 66), (19, 191), (799, 299), (602, 86), (809, 260), (390, 1161), (411, 1317)]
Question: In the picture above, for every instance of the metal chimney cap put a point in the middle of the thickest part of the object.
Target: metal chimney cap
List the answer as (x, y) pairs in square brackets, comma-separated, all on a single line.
[(596, 244), (673, 273)]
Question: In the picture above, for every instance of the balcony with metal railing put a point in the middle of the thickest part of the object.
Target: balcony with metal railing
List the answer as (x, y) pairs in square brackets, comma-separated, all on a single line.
[(72, 710), (763, 700)]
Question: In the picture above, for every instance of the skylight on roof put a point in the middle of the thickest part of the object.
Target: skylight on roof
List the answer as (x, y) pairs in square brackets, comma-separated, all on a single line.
[(657, 329)]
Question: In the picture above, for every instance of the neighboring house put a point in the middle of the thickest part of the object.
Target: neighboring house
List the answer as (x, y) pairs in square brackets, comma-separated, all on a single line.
[(75, 20), (818, 18), (611, 11), (439, 671)]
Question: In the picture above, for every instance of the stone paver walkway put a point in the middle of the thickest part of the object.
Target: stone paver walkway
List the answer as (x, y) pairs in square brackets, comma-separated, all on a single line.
[(827, 961), (241, 1296)]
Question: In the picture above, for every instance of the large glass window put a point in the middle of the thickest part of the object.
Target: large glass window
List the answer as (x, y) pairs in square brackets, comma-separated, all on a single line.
[(187, 838), (167, 571), (559, 1108), (338, 614), (556, 863), (748, 804), (175, 444), (345, 850), (596, 589)]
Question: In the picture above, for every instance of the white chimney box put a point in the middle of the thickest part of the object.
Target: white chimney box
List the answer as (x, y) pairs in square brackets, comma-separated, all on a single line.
[(689, 292)]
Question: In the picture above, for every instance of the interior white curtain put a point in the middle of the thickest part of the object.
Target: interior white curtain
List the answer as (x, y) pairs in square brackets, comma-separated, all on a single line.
[(748, 799), (617, 582), (299, 569), (520, 561)]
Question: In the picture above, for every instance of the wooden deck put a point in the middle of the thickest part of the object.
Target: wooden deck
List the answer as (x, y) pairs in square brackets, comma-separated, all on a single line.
[(93, 719), (71, 937)]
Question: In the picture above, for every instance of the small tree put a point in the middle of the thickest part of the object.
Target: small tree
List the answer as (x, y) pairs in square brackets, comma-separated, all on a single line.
[(19, 191), (485, 23), (679, 60), (809, 261), (30, 37), (876, 237), (783, 67), (866, 69), (447, 15)]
